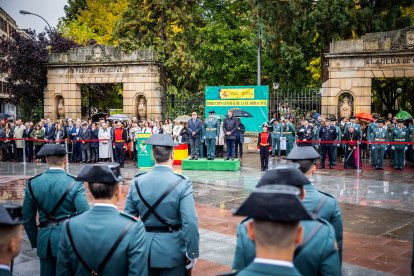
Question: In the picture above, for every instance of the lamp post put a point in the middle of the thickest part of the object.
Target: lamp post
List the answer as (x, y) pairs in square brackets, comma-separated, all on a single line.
[(23, 12)]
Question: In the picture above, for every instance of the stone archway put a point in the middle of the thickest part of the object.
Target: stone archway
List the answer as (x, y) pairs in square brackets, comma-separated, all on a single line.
[(354, 63), (137, 71)]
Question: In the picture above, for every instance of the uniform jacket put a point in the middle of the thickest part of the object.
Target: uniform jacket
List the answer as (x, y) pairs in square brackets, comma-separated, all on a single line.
[(166, 250), (400, 135), (277, 131), (230, 125), (288, 131), (124, 136), (4, 272), (85, 134), (372, 127), (94, 232), (195, 126), (268, 142), (211, 128), (327, 134), (18, 133), (305, 132), (48, 188), (380, 135), (411, 130), (329, 210), (338, 135), (259, 269), (318, 257)]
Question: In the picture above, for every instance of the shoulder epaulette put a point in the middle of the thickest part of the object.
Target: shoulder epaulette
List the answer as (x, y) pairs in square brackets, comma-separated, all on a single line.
[(138, 174), (129, 216), (35, 176), (182, 176), (325, 193)]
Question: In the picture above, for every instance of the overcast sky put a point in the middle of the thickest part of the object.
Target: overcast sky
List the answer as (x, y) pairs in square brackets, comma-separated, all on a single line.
[(51, 10)]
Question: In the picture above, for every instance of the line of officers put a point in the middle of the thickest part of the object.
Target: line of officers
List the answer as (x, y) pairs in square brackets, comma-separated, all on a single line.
[(291, 228), (378, 135)]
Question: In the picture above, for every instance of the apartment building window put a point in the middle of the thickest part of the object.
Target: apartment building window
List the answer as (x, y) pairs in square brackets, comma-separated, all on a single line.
[(3, 25)]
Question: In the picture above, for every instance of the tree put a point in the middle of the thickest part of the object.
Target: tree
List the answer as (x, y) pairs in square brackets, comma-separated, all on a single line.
[(22, 59)]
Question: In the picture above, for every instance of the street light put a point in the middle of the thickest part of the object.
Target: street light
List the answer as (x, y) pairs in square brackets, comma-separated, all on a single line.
[(23, 12)]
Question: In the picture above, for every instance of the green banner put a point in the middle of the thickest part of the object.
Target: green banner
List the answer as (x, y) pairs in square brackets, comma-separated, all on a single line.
[(145, 157), (252, 99)]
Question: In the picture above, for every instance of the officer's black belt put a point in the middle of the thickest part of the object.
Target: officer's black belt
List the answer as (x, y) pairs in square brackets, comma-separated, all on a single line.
[(51, 222), (163, 229)]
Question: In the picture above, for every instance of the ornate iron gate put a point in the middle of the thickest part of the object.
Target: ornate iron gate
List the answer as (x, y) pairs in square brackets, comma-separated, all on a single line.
[(298, 102)]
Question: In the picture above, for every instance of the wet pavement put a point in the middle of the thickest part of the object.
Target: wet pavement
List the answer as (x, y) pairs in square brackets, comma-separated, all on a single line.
[(377, 207)]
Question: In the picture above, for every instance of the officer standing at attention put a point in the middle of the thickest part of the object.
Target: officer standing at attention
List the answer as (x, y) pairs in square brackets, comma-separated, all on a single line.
[(55, 196), (380, 134), (317, 202), (276, 135), (288, 131), (337, 145), (400, 135), (264, 145), (119, 139), (211, 130), (352, 122), (103, 240), (305, 133), (10, 236), (327, 133), (315, 255), (164, 201), (372, 127)]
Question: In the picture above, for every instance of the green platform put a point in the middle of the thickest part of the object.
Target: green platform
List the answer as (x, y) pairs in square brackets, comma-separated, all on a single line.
[(211, 165)]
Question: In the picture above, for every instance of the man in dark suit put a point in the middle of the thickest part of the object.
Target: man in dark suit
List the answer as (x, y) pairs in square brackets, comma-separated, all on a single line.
[(94, 144), (230, 126), (195, 127), (50, 131), (74, 136), (29, 143), (85, 134)]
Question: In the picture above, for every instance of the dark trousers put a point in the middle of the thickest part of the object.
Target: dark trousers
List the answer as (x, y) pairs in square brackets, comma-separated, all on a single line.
[(238, 148), (37, 148), (94, 154), (399, 158), (264, 157), (327, 149), (19, 154), (86, 155), (194, 144), (378, 155), (230, 143), (76, 152), (119, 153), (29, 151)]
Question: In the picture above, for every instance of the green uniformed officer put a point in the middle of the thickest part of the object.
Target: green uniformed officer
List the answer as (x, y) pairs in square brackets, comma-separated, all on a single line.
[(211, 133), (288, 131), (399, 135), (379, 136), (352, 122), (275, 212), (10, 236), (337, 144), (276, 135), (316, 255), (165, 202), (55, 196), (372, 128), (103, 240), (316, 201)]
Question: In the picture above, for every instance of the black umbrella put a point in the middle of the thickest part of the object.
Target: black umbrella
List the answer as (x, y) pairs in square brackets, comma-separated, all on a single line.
[(241, 113)]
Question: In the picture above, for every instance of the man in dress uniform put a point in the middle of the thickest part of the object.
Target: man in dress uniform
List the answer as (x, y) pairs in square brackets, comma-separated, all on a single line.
[(327, 133), (276, 135), (305, 133), (399, 135), (372, 127), (103, 240), (264, 145), (10, 236), (275, 211), (288, 131), (380, 134), (352, 122), (164, 201), (318, 202), (119, 139), (316, 254), (211, 130), (337, 145), (55, 196)]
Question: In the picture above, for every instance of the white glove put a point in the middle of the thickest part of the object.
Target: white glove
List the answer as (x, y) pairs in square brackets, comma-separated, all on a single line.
[(191, 264), (258, 150), (338, 145), (302, 130), (373, 147), (216, 138), (406, 148), (393, 148)]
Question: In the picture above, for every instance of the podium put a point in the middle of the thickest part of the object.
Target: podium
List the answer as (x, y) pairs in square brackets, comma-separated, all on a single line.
[(145, 158)]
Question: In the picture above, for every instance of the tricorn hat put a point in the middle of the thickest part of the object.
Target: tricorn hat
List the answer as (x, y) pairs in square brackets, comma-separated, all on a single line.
[(165, 140), (100, 173), (303, 153), (51, 150), (10, 214), (211, 112), (284, 175)]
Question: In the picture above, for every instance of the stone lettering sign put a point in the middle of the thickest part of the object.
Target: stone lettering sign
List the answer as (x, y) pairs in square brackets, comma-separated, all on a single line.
[(98, 70), (373, 61)]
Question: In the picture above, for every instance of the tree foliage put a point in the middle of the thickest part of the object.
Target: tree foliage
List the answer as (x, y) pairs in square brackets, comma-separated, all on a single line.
[(22, 59)]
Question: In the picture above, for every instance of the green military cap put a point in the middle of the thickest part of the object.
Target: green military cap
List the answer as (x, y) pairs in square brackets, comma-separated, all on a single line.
[(288, 174), (10, 214), (101, 173), (303, 153), (400, 121), (274, 203), (375, 116), (333, 119), (380, 121), (265, 124), (51, 150), (352, 117), (165, 140), (211, 112)]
